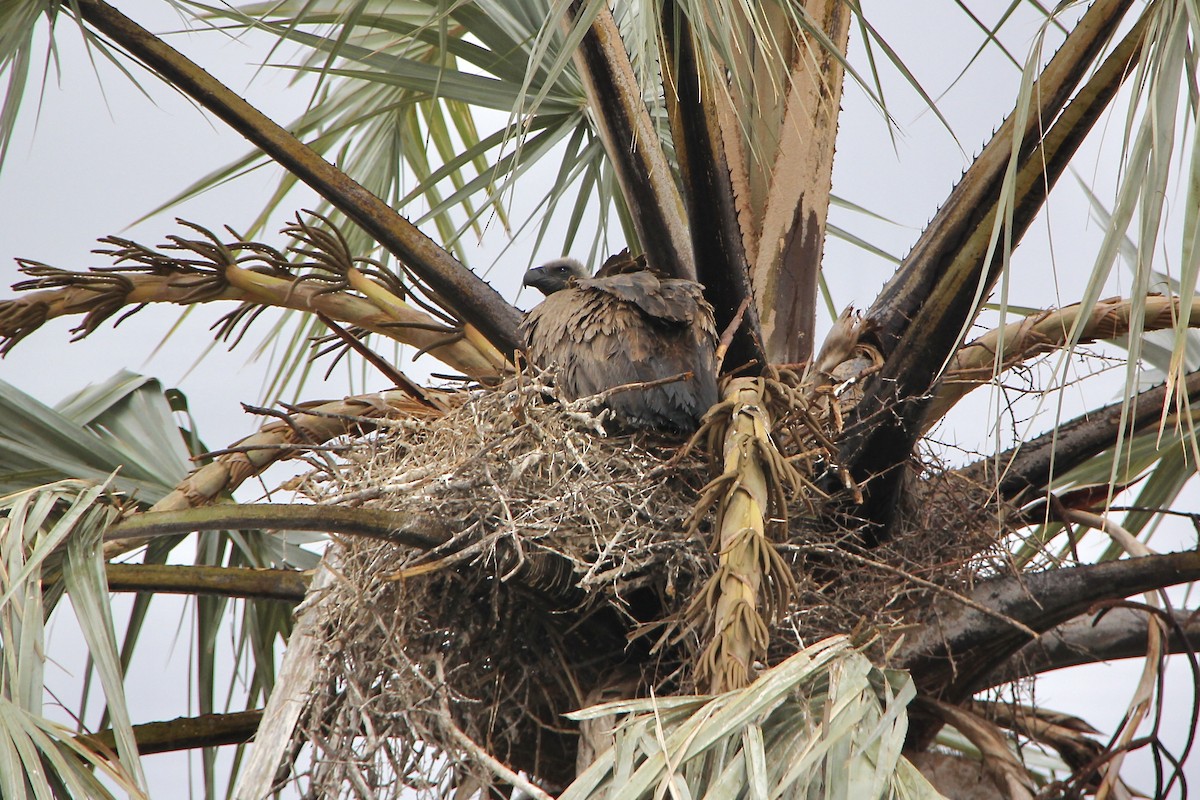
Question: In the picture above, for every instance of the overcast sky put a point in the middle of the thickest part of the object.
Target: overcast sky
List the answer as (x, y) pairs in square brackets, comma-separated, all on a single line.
[(98, 154)]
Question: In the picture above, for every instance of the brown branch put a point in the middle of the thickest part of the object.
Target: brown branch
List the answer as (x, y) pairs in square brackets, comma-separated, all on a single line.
[(402, 381), (731, 330), (183, 733), (262, 584), (918, 316), (997, 758), (471, 298)]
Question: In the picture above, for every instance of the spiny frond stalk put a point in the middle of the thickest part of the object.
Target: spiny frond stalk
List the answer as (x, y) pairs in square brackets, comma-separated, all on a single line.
[(632, 143), (471, 296), (922, 312)]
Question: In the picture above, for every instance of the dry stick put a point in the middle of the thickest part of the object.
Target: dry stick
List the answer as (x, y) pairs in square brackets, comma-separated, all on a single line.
[(282, 448), (390, 372), (982, 609), (468, 744), (600, 398), (727, 336)]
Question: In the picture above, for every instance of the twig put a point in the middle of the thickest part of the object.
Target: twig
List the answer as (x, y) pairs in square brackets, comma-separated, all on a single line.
[(600, 398), (501, 771), (283, 448), (982, 609), (401, 380)]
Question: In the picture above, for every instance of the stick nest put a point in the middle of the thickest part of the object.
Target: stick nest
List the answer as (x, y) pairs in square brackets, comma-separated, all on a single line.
[(564, 580)]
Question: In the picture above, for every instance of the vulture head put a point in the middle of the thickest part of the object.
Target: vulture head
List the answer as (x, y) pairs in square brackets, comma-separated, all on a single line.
[(554, 275)]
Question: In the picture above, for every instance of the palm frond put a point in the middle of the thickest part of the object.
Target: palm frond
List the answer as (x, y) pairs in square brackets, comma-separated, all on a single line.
[(18, 21), (124, 423), (822, 723), (50, 541), (400, 81)]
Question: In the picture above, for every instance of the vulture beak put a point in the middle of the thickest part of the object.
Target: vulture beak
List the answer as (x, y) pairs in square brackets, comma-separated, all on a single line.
[(538, 279)]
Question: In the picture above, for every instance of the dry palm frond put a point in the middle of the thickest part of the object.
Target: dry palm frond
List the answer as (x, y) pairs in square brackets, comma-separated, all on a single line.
[(283, 438), (998, 757), (326, 280), (50, 545), (976, 362), (823, 723)]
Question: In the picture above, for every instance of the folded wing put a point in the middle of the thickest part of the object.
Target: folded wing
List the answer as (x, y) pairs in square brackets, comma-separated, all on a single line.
[(628, 328)]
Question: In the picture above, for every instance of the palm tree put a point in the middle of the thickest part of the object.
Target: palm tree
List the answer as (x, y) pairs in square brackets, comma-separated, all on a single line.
[(805, 597)]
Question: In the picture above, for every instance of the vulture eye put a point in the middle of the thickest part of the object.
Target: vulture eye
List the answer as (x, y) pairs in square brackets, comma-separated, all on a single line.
[(561, 268)]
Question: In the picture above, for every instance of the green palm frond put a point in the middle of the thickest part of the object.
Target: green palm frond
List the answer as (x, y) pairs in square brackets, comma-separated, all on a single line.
[(127, 425), (50, 541), (18, 21), (399, 90), (122, 424)]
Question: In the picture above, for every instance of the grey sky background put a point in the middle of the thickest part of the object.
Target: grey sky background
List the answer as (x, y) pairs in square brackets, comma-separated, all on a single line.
[(98, 153)]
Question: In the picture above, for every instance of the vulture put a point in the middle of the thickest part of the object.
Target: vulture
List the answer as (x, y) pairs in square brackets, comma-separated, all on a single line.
[(625, 325)]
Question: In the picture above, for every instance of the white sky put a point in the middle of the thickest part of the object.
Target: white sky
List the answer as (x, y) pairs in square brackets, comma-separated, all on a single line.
[(97, 155)]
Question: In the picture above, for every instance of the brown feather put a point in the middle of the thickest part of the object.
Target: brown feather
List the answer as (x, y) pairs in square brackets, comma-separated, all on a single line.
[(631, 327)]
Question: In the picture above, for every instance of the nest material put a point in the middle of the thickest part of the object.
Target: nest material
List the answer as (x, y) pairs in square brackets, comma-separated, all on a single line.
[(566, 580), (563, 542)]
